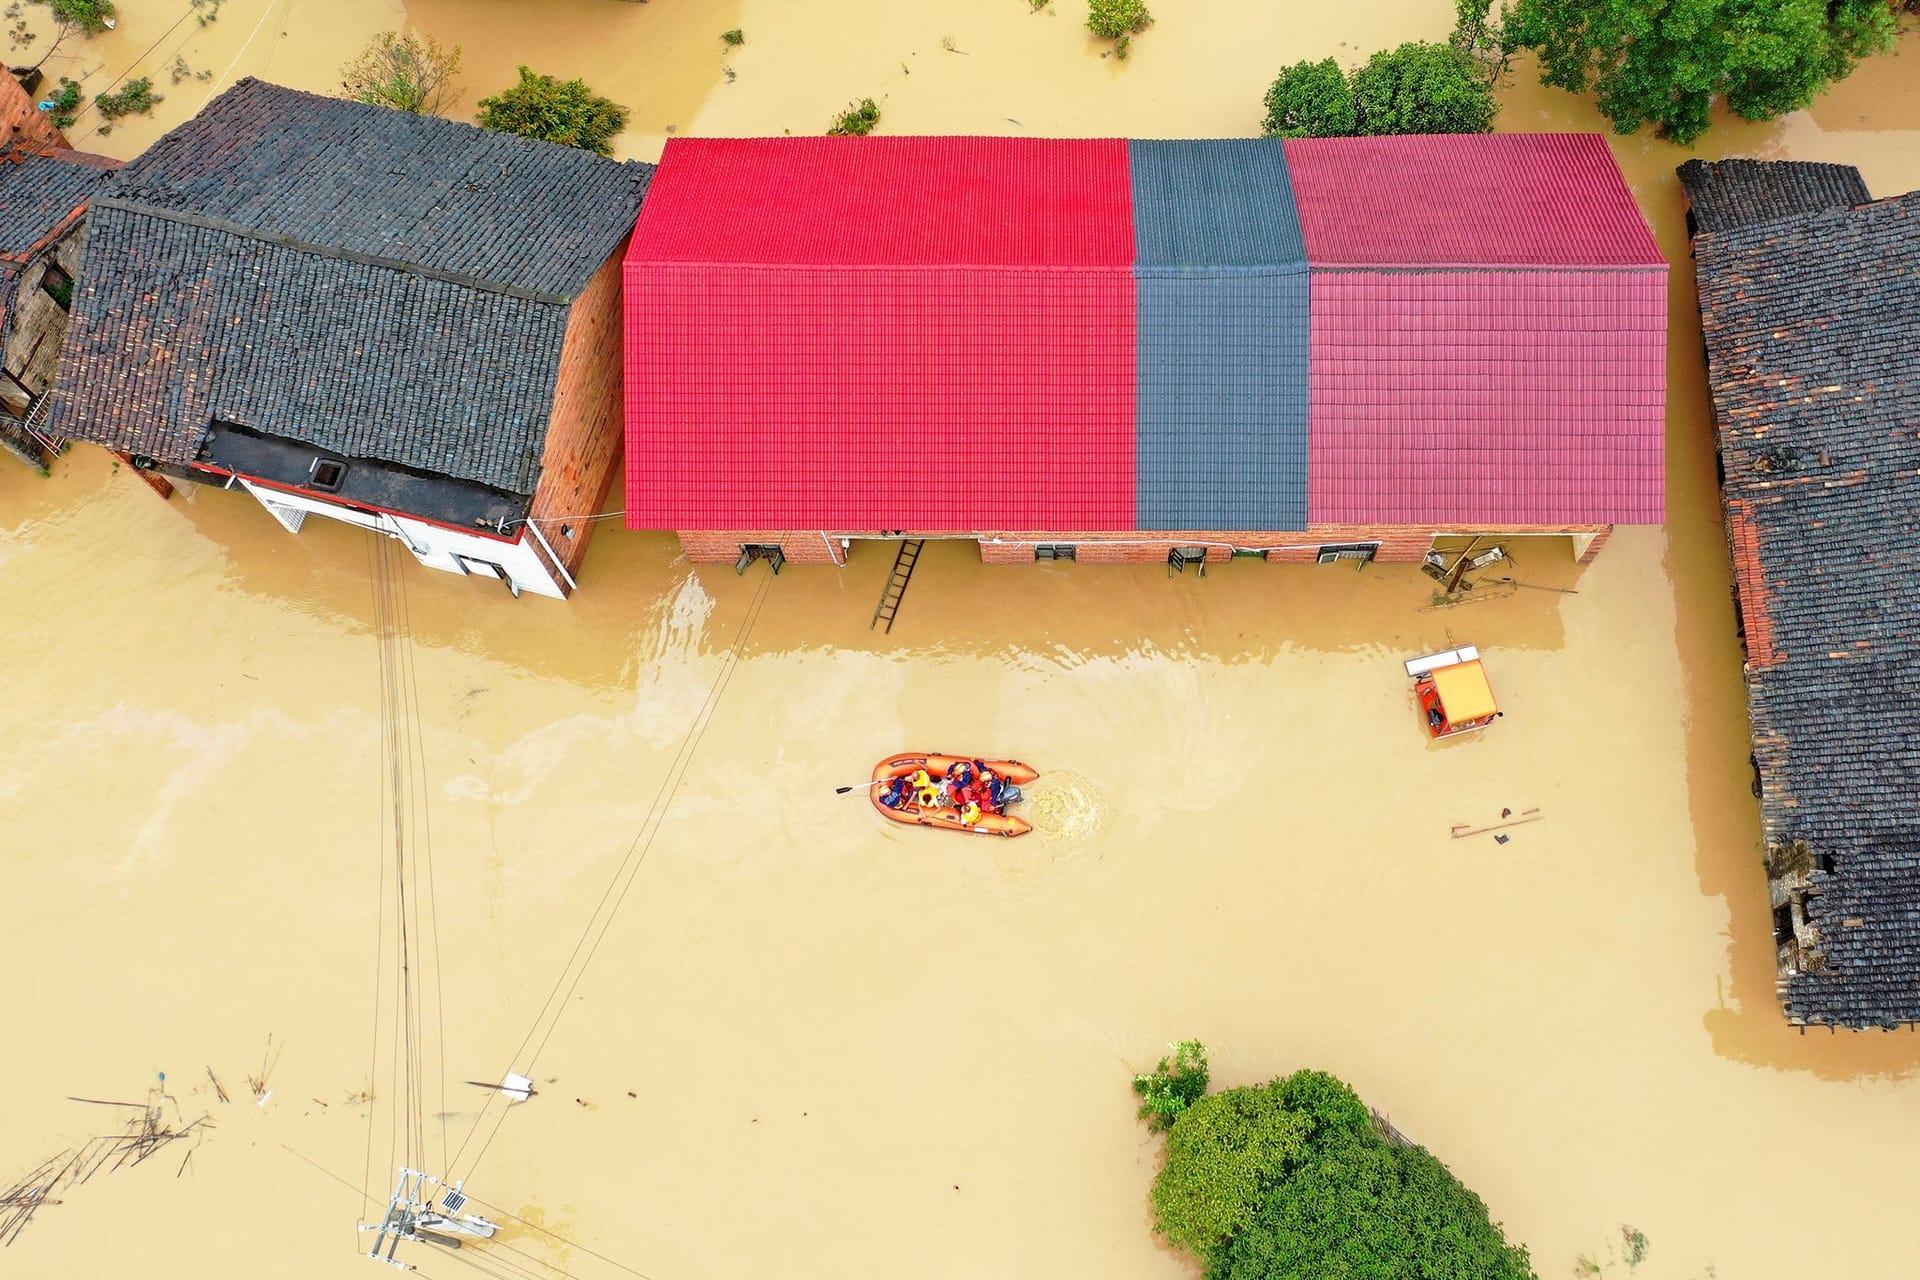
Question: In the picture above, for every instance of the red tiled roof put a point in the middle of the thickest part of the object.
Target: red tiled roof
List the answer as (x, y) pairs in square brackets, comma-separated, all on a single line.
[(1476, 200), (869, 202), (1483, 397)]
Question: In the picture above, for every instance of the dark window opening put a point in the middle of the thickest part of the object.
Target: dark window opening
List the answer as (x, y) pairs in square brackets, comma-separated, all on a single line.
[(1824, 861), (1056, 551), (1783, 922), (1249, 553), (57, 285), (751, 551), (327, 474), (1178, 558), (1359, 552)]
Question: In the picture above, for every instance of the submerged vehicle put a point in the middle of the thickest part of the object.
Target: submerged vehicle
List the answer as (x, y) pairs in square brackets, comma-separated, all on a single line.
[(925, 810), (1453, 692)]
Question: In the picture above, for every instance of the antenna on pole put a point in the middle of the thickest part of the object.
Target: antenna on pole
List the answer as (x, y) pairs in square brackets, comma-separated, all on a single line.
[(411, 1215)]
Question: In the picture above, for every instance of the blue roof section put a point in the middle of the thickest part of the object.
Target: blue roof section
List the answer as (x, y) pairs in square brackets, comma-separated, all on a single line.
[(1218, 202), (1221, 417)]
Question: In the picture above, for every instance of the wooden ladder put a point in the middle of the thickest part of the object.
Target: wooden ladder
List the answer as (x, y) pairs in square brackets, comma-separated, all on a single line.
[(909, 555)]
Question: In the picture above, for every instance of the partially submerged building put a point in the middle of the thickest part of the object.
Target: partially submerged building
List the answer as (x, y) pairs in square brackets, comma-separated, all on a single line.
[(44, 189), (1135, 351), (401, 322), (1810, 302)]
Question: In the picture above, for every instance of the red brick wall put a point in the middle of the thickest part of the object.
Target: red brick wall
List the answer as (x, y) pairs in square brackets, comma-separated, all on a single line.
[(23, 121), (583, 438), (1399, 544)]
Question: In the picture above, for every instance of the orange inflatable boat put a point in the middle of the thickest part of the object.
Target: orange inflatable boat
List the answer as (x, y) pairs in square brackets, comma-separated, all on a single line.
[(912, 812)]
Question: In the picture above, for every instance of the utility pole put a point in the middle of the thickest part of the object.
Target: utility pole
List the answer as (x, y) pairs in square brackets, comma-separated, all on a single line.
[(412, 1215)]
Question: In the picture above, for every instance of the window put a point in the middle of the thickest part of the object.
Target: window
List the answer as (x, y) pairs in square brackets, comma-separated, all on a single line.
[(58, 285), (1359, 552), (1249, 553), (327, 474), (1054, 551), (751, 551)]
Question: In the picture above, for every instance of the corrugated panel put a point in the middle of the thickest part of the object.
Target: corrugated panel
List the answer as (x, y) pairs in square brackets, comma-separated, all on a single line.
[(1488, 397), (1221, 202), (965, 202), (1505, 199), (1222, 435), (879, 398)]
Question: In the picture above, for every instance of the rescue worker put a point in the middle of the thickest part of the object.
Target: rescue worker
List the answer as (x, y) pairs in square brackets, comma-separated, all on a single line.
[(925, 793), (970, 813), (895, 793)]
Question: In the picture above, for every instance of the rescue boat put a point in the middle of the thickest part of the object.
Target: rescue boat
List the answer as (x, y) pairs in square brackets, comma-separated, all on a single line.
[(946, 817)]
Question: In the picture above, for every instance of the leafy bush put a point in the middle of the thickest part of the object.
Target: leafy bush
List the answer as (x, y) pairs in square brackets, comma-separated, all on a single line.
[(735, 37), (1224, 1154), (136, 97), (566, 112), (1333, 1111), (1373, 1211), (90, 16), (857, 120), (1173, 1086), (1423, 88), (1667, 64), (408, 73), (1118, 21), (66, 104), (1311, 100)]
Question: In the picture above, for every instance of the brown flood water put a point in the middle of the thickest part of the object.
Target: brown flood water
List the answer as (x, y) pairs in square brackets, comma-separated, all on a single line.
[(816, 1045)]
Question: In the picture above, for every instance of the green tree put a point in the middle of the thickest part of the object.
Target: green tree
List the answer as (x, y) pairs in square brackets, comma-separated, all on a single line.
[(1333, 1110), (1118, 21), (1224, 1154), (1423, 88), (566, 112), (1174, 1085), (1665, 62), (856, 121), (408, 73), (1365, 1210), (1311, 100), (90, 16)]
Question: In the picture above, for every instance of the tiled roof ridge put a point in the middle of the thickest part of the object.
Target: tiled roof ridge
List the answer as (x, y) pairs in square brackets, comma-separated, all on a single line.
[(1737, 238), (328, 251)]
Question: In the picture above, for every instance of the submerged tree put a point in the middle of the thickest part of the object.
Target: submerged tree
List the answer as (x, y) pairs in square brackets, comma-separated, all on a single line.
[(1423, 88), (408, 73), (1311, 100), (566, 112), (1666, 62), (70, 18)]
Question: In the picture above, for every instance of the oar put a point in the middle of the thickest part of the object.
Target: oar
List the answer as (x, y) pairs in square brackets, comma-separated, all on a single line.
[(840, 791)]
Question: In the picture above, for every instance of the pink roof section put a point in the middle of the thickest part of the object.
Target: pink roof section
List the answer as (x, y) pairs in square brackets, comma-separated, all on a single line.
[(1488, 397), (890, 201), (1473, 200)]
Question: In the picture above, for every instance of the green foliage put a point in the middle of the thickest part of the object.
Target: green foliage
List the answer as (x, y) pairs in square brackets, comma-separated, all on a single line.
[(735, 37), (408, 73), (1633, 1245), (1224, 1154), (857, 120), (1423, 88), (66, 104), (136, 97), (1334, 1111), (90, 16), (1174, 1085), (1118, 21), (1370, 1211), (1667, 63), (566, 112), (1311, 100)]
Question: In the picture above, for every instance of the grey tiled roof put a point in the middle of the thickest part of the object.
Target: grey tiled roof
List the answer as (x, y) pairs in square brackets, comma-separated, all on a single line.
[(1725, 194), (41, 189), (1811, 323), (352, 179), (1221, 419), (372, 283)]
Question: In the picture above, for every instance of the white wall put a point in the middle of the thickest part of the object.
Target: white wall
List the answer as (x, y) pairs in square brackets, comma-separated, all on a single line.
[(433, 545)]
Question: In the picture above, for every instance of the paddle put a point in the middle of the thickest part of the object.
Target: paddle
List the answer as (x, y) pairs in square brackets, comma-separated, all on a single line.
[(840, 791)]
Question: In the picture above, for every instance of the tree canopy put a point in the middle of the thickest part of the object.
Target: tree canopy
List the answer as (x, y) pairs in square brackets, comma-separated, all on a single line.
[(405, 72), (1311, 100), (1423, 88), (566, 112), (1293, 1180), (1665, 62)]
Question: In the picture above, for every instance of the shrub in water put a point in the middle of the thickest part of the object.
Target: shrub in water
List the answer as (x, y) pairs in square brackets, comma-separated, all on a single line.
[(1174, 1085), (566, 112), (857, 120)]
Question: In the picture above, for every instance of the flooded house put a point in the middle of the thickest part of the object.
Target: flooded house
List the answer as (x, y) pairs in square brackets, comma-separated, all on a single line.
[(401, 322), (1133, 351), (44, 189), (1809, 298)]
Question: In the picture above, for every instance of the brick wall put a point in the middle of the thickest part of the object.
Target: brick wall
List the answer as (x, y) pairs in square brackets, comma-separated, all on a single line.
[(583, 438), (1399, 544), (23, 121)]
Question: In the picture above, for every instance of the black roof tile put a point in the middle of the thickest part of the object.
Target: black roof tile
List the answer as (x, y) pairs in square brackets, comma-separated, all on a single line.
[(1726, 194)]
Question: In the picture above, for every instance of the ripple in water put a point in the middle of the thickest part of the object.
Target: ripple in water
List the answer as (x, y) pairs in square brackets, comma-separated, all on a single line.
[(1066, 812)]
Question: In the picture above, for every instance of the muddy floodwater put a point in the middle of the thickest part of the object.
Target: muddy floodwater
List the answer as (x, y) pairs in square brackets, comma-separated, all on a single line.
[(810, 1043)]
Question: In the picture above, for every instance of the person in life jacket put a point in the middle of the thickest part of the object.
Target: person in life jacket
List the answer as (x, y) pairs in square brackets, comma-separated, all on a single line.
[(895, 793), (970, 813), (925, 792), (990, 785)]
